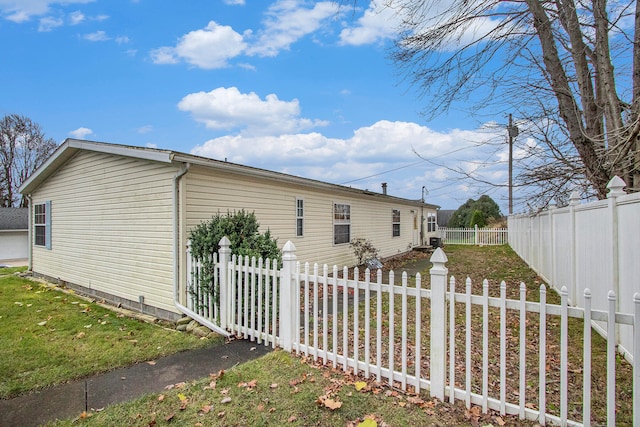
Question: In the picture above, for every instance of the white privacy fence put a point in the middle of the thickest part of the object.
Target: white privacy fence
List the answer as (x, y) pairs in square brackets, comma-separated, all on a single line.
[(509, 355), (592, 246), (474, 236)]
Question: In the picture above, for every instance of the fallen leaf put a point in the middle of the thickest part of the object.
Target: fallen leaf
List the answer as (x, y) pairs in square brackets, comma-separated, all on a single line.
[(88, 326), (44, 322), (18, 303), (226, 400), (332, 404), (220, 414), (80, 335), (161, 398), (274, 385), (170, 416), (360, 385), (368, 422), (500, 421), (415, 400), (260, 408), (182, 397), (151, 362), (292, 418), (206, 409)]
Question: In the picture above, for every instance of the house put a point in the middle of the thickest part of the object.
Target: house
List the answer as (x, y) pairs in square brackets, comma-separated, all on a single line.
[(113, 221), (14, 233)]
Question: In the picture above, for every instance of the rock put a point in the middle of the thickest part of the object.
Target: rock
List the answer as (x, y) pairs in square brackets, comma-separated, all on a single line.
[(182, 328), (201, 331), (192, 325), (183, 320)]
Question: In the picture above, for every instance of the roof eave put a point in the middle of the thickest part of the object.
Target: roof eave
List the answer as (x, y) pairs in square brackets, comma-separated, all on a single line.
[(277, 176), (71, 146)]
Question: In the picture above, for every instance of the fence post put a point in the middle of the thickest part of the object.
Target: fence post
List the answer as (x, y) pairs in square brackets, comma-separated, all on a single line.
[(574, 201), (475, 235), (438, 323), (615, 187), (224, 254), (288, 297)]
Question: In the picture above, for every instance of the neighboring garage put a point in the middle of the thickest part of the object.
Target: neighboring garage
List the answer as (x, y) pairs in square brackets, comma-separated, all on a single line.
[(14, 233)]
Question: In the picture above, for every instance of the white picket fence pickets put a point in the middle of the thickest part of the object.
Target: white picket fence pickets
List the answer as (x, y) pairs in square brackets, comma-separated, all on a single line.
[(474, 236), (406, 334)]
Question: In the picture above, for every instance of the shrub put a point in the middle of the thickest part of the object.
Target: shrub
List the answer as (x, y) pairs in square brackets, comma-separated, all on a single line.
[(363, 249), (242, 230)]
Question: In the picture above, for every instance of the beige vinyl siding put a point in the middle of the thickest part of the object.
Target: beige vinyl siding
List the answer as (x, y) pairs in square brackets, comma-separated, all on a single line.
[(111, 227), (274, 202)]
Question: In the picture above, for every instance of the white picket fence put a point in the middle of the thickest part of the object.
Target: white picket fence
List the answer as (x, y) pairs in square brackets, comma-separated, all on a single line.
[(474, 236), (344, 320)]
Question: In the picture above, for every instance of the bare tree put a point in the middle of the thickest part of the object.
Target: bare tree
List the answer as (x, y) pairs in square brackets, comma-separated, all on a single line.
[(23, 148), (571, 68)]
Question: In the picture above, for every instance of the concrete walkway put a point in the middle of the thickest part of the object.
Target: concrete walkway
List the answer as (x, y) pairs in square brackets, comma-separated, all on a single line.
[(121, 385)]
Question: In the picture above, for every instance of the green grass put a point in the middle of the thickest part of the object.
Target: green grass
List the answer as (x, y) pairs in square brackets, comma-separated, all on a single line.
[(50, 337), (287, 392)]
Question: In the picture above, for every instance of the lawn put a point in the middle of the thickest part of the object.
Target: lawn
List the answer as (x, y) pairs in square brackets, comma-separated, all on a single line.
[(282, 389), (50, 337)]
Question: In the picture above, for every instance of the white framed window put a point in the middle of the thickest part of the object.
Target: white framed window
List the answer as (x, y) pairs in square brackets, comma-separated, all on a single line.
[(395, 223), (431, 222), (299, 217), (341, 223), (42, 224)]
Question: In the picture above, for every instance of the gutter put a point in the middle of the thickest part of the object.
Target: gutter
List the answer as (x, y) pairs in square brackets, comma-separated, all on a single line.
[(29, 233), (176, 256)]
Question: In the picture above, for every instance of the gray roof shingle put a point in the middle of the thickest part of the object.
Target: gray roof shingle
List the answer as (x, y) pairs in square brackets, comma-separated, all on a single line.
[(14, 218)]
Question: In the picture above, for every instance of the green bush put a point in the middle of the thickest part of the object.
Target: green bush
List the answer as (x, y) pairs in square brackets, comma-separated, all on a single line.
[(242, 230), (477, 218)]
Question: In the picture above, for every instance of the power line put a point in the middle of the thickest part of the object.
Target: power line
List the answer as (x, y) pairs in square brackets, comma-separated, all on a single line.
[(409, 165)]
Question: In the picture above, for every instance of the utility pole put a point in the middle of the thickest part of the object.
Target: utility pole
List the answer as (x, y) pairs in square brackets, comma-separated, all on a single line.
[(512, 132)]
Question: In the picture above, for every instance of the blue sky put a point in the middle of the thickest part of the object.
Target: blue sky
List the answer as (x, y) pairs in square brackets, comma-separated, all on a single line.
[(301, 87)]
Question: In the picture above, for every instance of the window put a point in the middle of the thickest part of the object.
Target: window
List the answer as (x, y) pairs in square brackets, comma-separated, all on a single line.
[(431, 222), (341, 223), (395, 223), (42, 224), (299, 217)]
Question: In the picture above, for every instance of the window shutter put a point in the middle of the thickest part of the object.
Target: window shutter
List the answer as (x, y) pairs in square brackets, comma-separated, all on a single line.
[(48, 223)]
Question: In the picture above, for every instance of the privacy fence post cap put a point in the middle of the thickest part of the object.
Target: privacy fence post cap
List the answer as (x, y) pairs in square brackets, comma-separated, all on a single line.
[(616, 186)]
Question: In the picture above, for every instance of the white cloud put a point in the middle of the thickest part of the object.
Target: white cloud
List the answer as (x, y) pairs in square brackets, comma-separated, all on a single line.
[(151, 145), (382, 152), (76, 17), (81, 133), (378, 23), (98, 36), (234, 2), (145, 129), (207, 48), (23, 10), (122, 40), (48, 23), (228, 108), (287, 21)]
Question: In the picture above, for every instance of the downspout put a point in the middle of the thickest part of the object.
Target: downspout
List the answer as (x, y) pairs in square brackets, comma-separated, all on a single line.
[(177, 253), (30, 233)]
